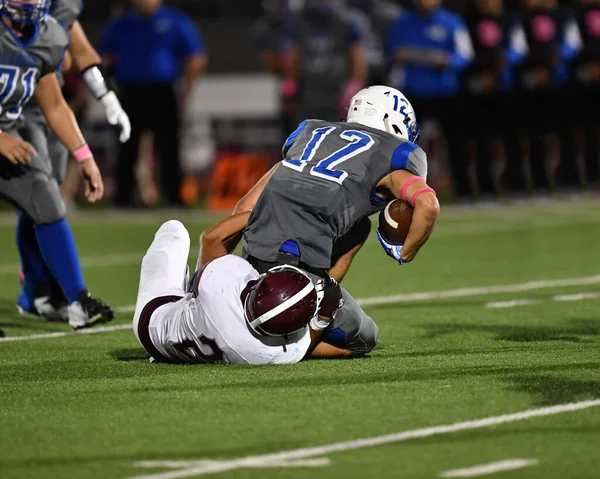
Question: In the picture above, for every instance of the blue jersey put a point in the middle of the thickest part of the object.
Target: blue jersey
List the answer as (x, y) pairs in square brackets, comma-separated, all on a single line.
[(441, 31)]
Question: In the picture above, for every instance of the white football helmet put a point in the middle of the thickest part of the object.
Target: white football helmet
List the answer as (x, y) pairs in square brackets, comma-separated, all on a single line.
[(386, 109)]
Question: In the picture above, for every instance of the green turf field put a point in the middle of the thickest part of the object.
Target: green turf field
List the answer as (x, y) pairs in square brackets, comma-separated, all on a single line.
[(92, 406)]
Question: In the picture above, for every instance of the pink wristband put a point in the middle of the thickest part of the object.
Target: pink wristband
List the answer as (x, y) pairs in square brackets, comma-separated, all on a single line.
[(82, 153), (406, 185), (418, 192)]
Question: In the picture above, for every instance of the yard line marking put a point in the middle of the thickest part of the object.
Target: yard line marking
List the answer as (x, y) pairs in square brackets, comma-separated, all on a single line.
[(214, 466), (491, 468), (374, 301), (510, 304), (479, 291), (62, 334), (576, 297)]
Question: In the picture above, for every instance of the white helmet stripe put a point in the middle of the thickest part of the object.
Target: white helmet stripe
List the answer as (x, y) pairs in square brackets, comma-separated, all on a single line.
[(283, 306)]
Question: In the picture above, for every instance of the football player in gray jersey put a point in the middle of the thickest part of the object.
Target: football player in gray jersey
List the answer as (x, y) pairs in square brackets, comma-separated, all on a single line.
[(49, 300), (313, 208), (32, 46)]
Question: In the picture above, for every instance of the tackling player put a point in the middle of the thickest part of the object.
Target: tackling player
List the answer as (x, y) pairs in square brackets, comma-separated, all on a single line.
[(32, 45), (41, 292), (230, 313), (312, 210)]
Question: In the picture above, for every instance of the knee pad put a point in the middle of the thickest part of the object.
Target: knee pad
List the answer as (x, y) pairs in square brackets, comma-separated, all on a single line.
[(366, 337), (45, 204)]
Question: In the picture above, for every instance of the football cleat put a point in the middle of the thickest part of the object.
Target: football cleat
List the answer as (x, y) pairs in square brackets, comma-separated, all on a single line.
[(87, 311), (52, 309)]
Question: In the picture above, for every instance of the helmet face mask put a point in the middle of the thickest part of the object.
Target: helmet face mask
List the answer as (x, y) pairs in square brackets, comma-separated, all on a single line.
[(281, 302), (387, 109), (24, 12)]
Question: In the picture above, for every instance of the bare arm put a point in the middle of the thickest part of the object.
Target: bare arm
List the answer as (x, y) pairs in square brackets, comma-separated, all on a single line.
[(359, 65), (425, 212), (249, 200), (83, 53), (57, 112), (193, 68), (215, 241), (63, 123), (319, 350)]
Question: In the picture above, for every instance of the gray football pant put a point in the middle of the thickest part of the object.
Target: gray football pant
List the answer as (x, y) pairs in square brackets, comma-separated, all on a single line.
[(35, 191)]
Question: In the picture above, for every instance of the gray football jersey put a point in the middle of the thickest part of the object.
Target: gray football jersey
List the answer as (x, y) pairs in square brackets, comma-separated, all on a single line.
[(324, 186), (23, 64), (66, 13)]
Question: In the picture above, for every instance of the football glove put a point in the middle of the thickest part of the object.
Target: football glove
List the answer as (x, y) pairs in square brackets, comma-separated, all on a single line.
[(392, 250), (329, 297), (116, 116)]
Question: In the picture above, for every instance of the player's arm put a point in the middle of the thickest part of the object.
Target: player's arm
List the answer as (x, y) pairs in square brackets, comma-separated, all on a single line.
[(426, 208), (249, 200), (216, 241), (89, 63), (62, 121)]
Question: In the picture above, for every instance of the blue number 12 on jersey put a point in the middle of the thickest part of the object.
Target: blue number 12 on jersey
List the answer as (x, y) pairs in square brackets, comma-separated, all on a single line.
[(359, 143)]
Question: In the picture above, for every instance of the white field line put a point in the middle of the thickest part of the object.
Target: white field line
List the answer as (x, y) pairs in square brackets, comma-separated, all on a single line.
[(513, 303), (214, 466), (576, 297), (366, 302), (480, 291), (491, 468)]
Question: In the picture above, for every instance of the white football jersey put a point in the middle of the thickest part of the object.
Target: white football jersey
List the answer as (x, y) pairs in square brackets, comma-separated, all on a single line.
[(211, 327)]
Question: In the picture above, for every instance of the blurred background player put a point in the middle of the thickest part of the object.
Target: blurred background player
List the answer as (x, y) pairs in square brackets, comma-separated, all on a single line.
[(157, 54), (32, 46), (274, 39), (586, 88), (554, 39), (499, 44), (327, 63), (42, 294), (374, 18), (429, 47)]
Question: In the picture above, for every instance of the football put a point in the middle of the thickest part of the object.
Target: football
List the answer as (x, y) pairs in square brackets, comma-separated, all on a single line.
[(394, 221)]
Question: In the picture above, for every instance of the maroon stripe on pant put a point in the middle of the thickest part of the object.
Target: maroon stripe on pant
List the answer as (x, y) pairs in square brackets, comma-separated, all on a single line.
[(144, 324)]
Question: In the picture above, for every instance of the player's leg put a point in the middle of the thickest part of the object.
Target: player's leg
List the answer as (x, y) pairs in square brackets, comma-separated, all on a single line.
[(166, 136), (37, 194), (352, 328), (41, 293), (164, 266)]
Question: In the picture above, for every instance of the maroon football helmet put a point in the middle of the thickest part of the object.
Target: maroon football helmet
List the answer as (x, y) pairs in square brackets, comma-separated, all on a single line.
[(281, 302)]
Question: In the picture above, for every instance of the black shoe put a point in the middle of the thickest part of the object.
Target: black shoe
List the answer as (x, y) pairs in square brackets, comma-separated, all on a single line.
[(2, 335), (87, 311)]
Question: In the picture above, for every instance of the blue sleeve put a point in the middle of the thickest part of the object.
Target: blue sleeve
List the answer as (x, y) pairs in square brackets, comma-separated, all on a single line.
[(109, 40), (354, 34), (190, 40), (401, 154), (290, 141)]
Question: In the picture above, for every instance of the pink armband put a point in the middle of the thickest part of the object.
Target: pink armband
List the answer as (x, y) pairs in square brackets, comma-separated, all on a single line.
[(406, 185), (418, 192), (83, 153)]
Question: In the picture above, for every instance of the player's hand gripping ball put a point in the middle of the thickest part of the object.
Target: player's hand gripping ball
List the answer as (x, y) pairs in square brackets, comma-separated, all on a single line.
[(394, 223)]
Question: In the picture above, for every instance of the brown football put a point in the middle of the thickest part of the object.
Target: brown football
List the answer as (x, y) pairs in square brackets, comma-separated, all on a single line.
[(394, 221)]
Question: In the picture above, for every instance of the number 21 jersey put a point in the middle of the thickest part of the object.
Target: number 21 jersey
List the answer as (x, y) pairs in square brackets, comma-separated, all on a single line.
[(324, 186), (24, 62)]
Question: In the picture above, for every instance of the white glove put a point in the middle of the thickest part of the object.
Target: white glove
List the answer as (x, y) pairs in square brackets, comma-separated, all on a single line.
[(116, 116)]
